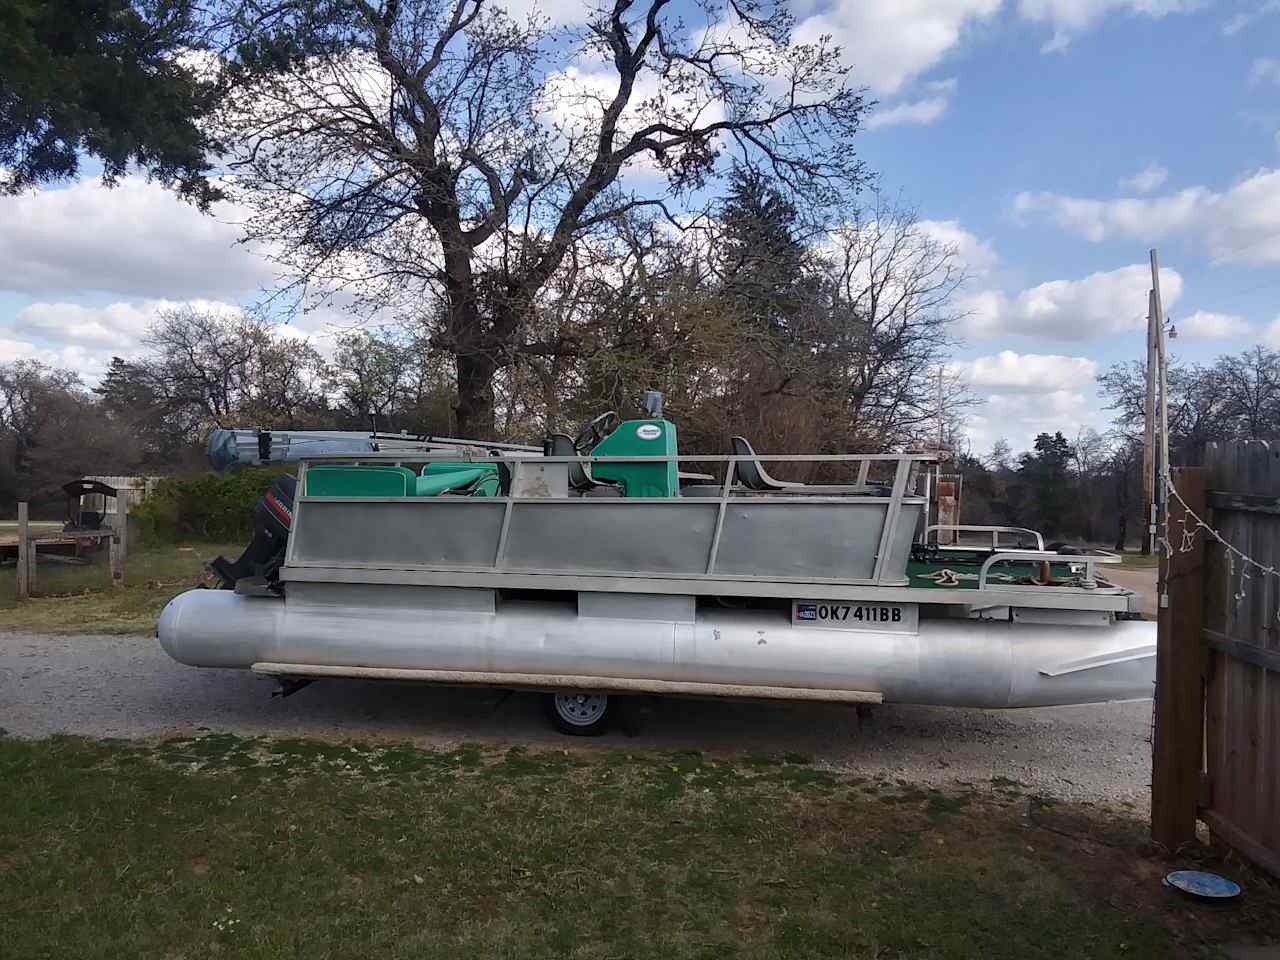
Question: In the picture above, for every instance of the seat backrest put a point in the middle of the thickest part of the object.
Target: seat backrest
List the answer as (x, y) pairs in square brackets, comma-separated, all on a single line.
[(359, 480), (453, 476), (562, 446), (640, 438), (747, 471)]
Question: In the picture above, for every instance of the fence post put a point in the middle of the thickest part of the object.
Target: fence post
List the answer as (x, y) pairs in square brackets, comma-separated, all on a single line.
[(24, 548), (122, 522), (116, 559), (1176, 753)]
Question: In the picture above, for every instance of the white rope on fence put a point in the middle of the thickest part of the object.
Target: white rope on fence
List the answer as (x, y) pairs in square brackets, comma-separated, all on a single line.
[(1233, 553)]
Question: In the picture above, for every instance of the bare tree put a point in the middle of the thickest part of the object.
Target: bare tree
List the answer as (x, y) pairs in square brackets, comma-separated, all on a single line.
[(372, 375), (213, 368), (889, 330), (1250, 391), (438, 160)]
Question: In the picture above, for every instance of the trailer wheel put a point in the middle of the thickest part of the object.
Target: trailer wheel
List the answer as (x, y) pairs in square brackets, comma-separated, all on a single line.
[(578, 714)]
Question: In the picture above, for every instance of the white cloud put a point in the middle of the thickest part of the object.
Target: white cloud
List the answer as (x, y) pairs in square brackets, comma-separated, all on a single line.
[(558, 12), (1271, 336), (1018, 418), (118, 327), (1029, 372), (977, 256), (1238, 225), (1098, 305), (84, 339), (1239, 21), (913, 112), (919, 112), (136, 239), (891, 42), (982, 311), (1147, 179), (1207, 325), (1265, 70), (89, 364), (1071, 17)]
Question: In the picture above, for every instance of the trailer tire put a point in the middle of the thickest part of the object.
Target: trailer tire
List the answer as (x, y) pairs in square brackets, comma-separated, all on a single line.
[(579, 714)]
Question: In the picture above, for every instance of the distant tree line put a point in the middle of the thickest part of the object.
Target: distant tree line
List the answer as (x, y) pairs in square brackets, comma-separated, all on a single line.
[(1090, 488)]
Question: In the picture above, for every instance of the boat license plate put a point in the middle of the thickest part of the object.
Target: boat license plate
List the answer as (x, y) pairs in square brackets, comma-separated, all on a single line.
[(854, 615)]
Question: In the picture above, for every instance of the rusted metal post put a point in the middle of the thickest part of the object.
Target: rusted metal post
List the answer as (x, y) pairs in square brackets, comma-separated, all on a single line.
[(24, 548), (1176, 760)]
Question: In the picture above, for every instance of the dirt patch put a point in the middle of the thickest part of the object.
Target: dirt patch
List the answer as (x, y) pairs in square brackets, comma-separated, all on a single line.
[(1141, 580)]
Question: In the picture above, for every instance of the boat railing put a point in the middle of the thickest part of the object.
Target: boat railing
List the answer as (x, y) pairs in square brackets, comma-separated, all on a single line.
[(885, 482), (1089, 561), (994, 531)]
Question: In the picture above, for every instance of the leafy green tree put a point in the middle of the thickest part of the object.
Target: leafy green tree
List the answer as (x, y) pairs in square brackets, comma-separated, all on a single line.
[(1044, 472), (764, 264), (118, 80)]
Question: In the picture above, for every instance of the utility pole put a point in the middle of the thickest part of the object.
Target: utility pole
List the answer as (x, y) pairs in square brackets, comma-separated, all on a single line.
[(1155, 441), (942, 420), (1149, 430), (1162, 361)]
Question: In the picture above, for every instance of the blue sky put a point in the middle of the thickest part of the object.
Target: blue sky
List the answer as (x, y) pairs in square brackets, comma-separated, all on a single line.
[(1054, 141)]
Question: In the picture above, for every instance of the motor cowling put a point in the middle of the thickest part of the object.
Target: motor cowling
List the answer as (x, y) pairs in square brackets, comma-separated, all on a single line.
[(272, 520)]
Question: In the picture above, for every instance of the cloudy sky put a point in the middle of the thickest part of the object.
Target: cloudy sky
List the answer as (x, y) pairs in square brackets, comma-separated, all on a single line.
[(1053, 141)]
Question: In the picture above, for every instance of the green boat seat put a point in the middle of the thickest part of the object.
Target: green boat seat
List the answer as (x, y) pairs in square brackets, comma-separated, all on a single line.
[(359, 480), (442, 481), (640, 438)]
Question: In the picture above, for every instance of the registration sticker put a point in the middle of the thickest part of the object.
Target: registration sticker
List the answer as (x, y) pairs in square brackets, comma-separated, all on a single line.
[(856, 615)]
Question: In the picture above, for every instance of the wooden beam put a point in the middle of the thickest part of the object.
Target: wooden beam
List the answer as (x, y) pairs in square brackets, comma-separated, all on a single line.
[(1242, 841), (1176, 751), (1244, 502), (1239, 650)]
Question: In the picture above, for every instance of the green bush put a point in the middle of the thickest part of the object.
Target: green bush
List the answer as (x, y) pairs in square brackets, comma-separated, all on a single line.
[(208, 506)]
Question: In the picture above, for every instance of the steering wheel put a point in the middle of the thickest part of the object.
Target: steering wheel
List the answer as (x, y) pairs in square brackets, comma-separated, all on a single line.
[(595, 431)]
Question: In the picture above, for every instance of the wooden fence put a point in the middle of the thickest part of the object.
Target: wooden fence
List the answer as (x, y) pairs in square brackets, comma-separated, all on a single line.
[(1217, 737), (28, 545)]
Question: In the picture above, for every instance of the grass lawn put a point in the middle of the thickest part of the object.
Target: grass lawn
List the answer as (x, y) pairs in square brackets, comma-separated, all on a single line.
[(1133, 558), (81, 599), (221, 847)]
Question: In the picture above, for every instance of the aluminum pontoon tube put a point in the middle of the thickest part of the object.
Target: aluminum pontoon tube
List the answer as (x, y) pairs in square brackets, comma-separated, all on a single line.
[(949, 662)]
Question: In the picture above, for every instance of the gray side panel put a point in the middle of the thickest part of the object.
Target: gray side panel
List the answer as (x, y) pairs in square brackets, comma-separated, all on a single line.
[(900, 544), (776, 538), (637, 606), (386, 597), (461, 531), (629, 536)]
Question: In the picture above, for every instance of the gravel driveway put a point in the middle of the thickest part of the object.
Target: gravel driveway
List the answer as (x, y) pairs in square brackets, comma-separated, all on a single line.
[(128, 687)]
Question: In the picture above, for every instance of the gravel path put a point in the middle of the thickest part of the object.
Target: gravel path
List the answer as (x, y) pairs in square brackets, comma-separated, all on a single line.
[(128, 687)]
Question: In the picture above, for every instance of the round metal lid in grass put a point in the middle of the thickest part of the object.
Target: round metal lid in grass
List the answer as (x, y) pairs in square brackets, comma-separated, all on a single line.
[(1209, 886)]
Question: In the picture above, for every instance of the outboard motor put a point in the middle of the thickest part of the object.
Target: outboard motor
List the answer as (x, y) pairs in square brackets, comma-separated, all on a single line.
[(272, 518)]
